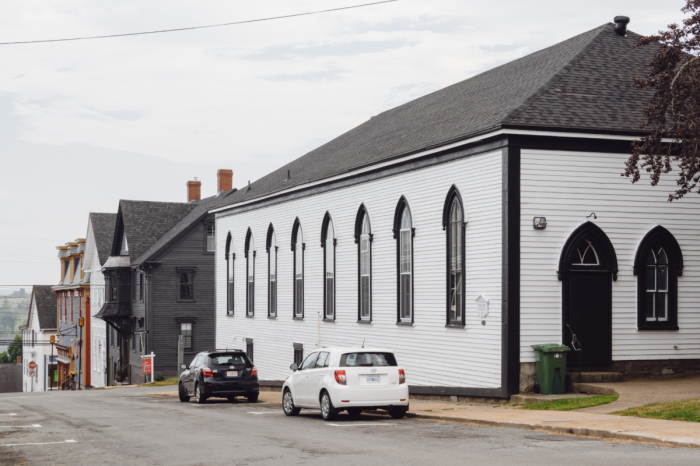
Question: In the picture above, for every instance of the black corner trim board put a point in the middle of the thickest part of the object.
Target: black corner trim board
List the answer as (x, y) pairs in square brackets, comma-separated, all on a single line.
[(510, 276)]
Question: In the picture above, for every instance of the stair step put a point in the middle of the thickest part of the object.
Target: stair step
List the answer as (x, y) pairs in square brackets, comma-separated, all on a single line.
[(595, 377)]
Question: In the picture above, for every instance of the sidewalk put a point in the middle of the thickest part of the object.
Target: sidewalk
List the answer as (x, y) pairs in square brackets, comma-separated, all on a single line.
[(661, 432)]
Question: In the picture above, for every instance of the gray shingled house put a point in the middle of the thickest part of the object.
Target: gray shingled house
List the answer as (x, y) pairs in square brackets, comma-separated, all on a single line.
[(159, 282)]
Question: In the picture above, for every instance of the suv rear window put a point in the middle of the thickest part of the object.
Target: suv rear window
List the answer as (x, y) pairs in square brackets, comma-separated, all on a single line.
[(367, 359), (227, 358)]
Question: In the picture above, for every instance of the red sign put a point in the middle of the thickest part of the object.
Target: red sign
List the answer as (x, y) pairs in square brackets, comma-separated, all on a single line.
[(146, 366), (32, 365)]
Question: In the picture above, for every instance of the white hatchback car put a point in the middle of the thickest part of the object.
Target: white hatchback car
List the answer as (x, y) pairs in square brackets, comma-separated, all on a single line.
[(347, 379)]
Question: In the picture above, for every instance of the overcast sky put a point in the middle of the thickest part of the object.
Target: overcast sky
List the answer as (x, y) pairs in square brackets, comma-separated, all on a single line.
[(86, 123)]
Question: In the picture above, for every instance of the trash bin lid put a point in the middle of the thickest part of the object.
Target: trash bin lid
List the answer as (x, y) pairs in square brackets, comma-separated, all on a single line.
[(551, 348)]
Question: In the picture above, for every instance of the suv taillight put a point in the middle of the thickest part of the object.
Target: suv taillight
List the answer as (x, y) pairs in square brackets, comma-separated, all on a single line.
[(206, 372), (402, 376), (340, 377), (254, 371)]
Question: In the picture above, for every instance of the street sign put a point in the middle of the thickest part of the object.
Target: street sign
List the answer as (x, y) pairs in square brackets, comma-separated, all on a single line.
[(32, 365), (32, 373), (146, 366)]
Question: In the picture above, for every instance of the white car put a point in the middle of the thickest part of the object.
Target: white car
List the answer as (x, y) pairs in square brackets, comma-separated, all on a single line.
[(347, 379)]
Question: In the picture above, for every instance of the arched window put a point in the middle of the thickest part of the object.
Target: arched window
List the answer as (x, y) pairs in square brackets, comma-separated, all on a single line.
[(328, 245), (363, 239), (404, 233), (230, 258), (250, 273), (658, 264), (271, 272), (453, 223), (298, 250)]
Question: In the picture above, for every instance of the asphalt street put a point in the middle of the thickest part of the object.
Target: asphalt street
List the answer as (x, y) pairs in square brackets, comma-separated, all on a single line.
[(126, 427)]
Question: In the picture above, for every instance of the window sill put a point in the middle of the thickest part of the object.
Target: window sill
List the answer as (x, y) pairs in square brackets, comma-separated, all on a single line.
[(405, 324), (186, 301), (209, 253), (652, 328), (455, 326), (325, 319), (250, 316), (229, 314), (365, 322), (297, 318), (272, 317)]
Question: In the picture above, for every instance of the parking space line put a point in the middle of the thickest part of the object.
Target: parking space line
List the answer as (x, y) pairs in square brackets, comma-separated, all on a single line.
[(45, 443), (21, 427), (358, 425)]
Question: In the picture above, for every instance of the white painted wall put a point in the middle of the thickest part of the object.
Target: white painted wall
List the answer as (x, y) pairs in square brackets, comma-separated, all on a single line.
[(431, 353), (565, 187), (98, 327)]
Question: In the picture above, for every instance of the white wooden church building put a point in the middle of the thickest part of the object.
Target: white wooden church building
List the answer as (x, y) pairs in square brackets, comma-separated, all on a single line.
[(463, 227)]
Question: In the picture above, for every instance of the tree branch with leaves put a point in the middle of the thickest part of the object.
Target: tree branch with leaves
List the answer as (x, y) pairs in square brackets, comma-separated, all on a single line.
[(673, 114)]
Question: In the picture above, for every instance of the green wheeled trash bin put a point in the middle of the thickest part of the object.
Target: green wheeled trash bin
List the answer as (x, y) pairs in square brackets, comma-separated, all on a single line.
[(550, 364)]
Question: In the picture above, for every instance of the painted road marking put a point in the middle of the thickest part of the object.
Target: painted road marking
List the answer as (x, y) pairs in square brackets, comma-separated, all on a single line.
[(21, 427), (46, 443), (358, 425), (266, 412), (9, 414)]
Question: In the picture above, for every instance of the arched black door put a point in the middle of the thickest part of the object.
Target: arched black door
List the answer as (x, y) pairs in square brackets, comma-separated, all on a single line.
[(587, 268)]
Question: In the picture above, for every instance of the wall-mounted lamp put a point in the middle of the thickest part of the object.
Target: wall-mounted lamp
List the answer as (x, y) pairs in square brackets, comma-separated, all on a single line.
[(539, 223)]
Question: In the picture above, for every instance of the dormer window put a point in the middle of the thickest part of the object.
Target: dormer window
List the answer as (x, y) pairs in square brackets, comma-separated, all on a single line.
[(76, 266), (124, 251)]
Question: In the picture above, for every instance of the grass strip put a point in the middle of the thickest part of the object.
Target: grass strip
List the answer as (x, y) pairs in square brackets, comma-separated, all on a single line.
[(568, 404), (681, 410), (162, 383)]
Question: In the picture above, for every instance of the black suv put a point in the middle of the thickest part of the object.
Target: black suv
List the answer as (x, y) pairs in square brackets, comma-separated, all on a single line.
[(219, 373)]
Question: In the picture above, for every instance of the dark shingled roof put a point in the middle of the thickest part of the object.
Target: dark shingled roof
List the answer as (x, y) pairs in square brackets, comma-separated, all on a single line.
[(199, 211), (146, 222), (581, 84), (46, 308), (103, 228)]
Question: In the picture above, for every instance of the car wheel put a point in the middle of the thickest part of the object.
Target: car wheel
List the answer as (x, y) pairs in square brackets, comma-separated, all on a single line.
[(328, 412), (184, 397), (398, 413), (201, 399), (354, 412), (252, 398), (288, 404)]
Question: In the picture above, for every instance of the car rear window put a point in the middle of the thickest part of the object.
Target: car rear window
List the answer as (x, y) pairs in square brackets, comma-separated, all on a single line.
[(367, 359), (227, 358)]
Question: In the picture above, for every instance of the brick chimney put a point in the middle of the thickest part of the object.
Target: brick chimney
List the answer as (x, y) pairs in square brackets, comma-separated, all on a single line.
[(194, 190), (224, 180)]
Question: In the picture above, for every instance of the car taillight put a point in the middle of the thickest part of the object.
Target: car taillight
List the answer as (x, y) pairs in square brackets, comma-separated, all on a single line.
[(206, 372), (402, 376), (254, 371), (340, 377)]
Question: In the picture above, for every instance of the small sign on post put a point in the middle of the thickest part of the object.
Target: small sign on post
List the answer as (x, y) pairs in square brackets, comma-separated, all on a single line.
[(147, 364), (32, 365)]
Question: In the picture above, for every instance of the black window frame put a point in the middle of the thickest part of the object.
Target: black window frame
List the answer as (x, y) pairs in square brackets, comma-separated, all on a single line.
[(192, 323), (658, 237), (400, 206), (142, 284), (296, 228), (272, 302), (230, 257), (327, 220), (249, 294), (190, 271), (453, 196), (250, 350), (298, 353), (359, 221)]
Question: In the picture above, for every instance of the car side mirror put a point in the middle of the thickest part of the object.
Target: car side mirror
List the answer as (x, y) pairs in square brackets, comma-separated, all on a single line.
[(184, 366), (294, 367)]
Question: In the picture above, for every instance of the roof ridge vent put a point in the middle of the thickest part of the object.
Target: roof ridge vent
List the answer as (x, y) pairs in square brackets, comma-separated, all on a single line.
[(621, 23)]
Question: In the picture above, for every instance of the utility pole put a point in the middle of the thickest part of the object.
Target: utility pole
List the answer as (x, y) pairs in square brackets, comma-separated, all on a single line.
[(81, 323)]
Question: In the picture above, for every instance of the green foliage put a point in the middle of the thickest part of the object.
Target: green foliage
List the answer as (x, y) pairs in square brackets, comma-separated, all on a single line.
[(683, 410), (568, 404), (14, 350)]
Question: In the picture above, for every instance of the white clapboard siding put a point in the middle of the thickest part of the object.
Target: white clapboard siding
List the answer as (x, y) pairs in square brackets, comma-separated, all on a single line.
[(565, 187), (431, 353), (98, 327)]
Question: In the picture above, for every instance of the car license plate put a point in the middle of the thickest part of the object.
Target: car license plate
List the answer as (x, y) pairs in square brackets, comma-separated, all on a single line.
[(373, 379), (231, 373)]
